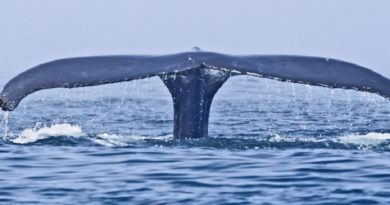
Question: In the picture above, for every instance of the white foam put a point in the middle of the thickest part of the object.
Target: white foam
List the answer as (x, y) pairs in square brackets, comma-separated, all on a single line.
[(116, 140), (363, 141), (370, 139), (111, 140), (278, 138), (56, 130)]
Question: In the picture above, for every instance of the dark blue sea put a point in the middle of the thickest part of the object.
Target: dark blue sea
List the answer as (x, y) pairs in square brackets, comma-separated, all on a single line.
[(270, 143)]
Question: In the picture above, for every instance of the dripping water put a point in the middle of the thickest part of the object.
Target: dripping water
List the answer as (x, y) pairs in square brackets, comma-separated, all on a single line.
[(4, 124)]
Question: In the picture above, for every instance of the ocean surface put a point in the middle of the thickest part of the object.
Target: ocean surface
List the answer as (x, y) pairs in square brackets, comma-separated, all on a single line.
[(270, 143)]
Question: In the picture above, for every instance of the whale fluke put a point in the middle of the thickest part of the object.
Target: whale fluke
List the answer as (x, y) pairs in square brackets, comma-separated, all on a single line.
[(89, 71), (316, 71), (193, 78)]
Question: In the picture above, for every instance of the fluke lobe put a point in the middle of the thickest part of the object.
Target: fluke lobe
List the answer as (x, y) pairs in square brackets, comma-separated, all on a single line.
[(192, 78)]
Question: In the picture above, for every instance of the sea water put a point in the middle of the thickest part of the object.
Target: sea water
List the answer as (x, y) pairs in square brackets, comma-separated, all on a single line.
[(270, 143)]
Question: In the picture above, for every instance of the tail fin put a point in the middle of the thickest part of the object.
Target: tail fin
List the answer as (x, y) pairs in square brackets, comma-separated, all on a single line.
[(89, 71)]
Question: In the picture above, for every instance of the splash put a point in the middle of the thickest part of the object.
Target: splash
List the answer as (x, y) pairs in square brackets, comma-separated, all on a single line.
[(57, 130), (370, 139), (32, 135)]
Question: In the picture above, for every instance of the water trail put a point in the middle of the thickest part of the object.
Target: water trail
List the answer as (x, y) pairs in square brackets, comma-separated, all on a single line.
[(370, 140), (4, 124)]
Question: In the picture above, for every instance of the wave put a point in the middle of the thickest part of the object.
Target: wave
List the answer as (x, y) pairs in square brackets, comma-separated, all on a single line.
[(33, 135), (371, 140)]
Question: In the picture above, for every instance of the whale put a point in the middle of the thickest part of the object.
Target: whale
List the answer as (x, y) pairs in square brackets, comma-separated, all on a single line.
[(192, 78)]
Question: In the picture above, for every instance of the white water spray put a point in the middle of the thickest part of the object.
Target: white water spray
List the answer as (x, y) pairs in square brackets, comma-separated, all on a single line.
[(56, 130)]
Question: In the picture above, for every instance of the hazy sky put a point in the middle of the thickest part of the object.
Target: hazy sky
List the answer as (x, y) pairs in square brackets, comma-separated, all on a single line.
[(33, 32)]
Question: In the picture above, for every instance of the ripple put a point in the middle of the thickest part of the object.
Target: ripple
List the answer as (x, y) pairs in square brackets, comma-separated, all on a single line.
[(302, 148), (72, 135)]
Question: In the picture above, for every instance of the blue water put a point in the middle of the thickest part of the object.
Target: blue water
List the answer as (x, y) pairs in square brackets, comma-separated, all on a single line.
[(270, 143)]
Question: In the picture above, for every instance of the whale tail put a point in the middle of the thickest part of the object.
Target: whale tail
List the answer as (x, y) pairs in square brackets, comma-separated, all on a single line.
[(193, 78)]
